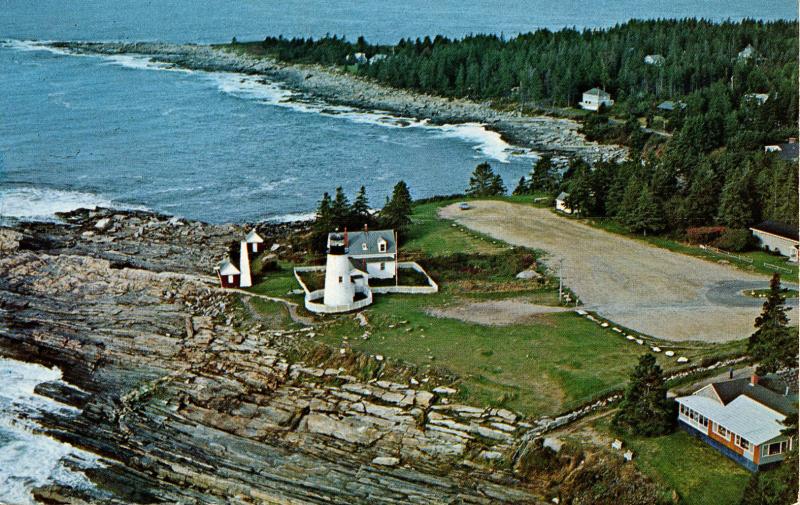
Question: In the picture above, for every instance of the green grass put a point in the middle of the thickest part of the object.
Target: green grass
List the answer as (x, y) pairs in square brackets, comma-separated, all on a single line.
[(545, 367), (699, 474), (432, 236), (762, 293)]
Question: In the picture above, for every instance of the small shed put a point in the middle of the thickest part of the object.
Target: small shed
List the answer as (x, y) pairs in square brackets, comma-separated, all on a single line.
[(228, 274), (561, 203), (778, 237), (360, 58), (596, 98), (254, 242)]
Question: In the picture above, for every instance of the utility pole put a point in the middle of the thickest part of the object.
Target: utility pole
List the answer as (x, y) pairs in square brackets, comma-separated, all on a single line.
[(560, 280)]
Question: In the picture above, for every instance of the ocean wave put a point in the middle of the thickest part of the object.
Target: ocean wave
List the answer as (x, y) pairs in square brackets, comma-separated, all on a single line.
[(29, 459), (289, 218), (42, 204), (489, 143)]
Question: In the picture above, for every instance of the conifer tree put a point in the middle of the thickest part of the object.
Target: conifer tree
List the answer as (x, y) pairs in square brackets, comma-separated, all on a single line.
[(484, 182), (522, 187), (543, 176), (340, 209), (645, 408), (647, 216), (323, 224), (773, 345), (735, 204), (360, 208), (396, 214)]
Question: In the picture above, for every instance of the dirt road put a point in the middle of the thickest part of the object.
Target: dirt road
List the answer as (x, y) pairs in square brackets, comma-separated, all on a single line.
[(648, 289)]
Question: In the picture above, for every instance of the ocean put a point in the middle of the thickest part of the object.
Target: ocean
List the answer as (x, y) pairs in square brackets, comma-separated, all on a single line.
[(85, 131)]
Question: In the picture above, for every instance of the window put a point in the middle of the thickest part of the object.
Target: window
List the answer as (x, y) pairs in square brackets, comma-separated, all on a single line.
[(382, 246), (777, 448), (230, 279), (364, 246), (721, 431), (340, 279), (741, 442), (383, 266)]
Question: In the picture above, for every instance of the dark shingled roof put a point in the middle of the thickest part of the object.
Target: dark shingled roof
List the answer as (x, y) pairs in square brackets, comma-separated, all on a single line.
[(779, 229), (732, 389)]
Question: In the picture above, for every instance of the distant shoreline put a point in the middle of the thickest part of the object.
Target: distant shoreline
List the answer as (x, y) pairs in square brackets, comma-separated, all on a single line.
[(543, 134)]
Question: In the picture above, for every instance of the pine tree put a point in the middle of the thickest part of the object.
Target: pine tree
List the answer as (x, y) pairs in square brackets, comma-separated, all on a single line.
[(645, 408), (581, 196), (648, 216), (543, 176), (522, 187), (736, 202), (323, 224), (340, 209), (396, 214), (484, 182), (360, 207), (773, 344)]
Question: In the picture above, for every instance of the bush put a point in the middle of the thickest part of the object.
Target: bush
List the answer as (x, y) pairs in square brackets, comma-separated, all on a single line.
[(735, 240), (704, 234)]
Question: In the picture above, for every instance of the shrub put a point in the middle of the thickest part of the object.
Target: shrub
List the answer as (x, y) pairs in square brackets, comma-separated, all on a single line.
[(704, 234), (735, 240)]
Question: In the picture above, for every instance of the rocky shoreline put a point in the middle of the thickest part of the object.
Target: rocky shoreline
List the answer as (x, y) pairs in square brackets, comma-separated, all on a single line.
[(189, 399), (544, 134)]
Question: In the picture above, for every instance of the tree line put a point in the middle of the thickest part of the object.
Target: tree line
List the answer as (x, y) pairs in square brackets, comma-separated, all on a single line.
[(338, 213), (712, 170)]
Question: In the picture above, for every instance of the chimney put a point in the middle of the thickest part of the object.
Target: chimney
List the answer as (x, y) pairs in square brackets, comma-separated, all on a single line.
[(345, 237), (793, 140), (753, 380), (366, 228)]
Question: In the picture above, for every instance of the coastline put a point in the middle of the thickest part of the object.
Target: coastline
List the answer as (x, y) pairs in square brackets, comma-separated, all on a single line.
[(543, 134)]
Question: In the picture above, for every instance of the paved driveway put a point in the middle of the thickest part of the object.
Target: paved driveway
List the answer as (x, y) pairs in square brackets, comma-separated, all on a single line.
[(646, 288)]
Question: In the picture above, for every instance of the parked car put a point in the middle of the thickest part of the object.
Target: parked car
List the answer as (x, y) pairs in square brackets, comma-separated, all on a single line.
[(464, 206)]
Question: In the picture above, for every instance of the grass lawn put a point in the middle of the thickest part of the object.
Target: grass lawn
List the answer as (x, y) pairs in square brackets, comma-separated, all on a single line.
[(543, 365), (696, 471)]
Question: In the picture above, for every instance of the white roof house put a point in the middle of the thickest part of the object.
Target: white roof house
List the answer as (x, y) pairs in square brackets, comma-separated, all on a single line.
[(759, 98), (595, 98), (561, 203), (742, 418), (747, 53)]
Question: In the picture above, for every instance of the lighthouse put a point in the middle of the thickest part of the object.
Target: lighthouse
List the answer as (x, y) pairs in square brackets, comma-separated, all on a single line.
[(244, 266), (339, 288)]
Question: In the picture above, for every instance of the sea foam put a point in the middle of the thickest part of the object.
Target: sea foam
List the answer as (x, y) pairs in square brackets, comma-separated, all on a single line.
[(42, 204), (29, 459)]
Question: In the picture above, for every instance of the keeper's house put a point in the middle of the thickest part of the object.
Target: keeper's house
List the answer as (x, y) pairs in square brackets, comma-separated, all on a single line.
[(742, 418), (778, 237)]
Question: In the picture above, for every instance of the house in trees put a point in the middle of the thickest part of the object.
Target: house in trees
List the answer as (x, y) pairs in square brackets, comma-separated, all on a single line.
[(654, 59), (561, 203), (743, 418), (669, 106), (787, 152), (778, 237), (359, 58), (747, 53), (756, 98), (596, 98)]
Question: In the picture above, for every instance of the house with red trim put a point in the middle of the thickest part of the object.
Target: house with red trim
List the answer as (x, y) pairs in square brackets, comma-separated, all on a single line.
[(742, 418)]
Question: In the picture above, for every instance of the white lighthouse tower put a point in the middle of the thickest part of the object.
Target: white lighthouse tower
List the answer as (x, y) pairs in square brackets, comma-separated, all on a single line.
[(244, 266), (339, 288)]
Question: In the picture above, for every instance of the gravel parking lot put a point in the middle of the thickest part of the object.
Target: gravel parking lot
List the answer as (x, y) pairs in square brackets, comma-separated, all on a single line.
[(648, 289)]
